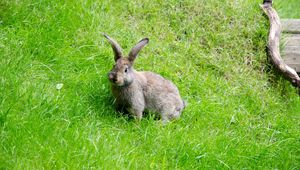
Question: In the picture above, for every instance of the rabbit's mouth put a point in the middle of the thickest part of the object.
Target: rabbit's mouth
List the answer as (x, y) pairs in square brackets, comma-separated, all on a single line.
[(117, 82), (114, 80), (120, 84)]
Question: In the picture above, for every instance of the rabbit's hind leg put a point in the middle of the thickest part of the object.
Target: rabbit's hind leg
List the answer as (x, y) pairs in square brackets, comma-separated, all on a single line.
[(137, 113), (174, 115), (171, 114)]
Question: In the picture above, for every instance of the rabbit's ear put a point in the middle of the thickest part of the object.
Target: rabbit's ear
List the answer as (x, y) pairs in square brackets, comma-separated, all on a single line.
[(135, 50), (116, 47)]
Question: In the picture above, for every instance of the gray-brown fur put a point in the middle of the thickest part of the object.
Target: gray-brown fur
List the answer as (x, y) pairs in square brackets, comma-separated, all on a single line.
[(137, 91)]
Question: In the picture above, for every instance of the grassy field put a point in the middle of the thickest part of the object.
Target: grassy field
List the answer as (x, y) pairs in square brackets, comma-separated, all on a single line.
[(288, 9), (241, 114)]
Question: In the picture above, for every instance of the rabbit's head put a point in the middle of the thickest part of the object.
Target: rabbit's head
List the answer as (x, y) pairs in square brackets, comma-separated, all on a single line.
[(122, 73)]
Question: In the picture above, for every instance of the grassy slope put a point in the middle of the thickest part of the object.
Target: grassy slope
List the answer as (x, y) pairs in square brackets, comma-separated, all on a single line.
[(240, 113), (288, 9)]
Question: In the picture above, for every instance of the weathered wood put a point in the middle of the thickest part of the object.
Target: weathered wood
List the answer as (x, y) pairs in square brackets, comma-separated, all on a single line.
[(291, 57), (273, 44), (291, 51), (292, 40), (295, 66), (291, 26)]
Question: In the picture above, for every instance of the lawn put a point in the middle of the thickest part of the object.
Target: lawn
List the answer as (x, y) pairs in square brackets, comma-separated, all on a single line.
[(56, 108), (288, 9)]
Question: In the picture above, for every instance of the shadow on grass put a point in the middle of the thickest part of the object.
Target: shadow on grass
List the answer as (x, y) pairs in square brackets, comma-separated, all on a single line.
[(4, 6), (102, 103), (277, 80)]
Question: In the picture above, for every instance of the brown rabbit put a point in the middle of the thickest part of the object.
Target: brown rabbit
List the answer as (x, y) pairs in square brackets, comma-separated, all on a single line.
[(140, 90)]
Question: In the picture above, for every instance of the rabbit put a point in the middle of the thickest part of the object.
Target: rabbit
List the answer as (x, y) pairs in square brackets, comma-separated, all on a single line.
[(137, 91)]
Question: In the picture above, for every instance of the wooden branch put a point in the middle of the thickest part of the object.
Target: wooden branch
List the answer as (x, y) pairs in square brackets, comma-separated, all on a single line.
[(273, 44)]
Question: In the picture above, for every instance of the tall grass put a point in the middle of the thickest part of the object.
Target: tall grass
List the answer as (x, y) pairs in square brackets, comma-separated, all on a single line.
[(241, 113)]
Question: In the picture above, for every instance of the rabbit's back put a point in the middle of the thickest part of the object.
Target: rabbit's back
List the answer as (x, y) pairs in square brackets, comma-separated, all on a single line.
[(161, 94)]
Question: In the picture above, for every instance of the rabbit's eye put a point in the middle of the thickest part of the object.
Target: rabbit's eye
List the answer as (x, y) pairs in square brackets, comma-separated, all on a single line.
[(126, 70)]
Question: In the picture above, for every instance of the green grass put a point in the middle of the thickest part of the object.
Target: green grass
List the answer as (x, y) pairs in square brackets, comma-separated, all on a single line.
[(241, 114), (288, 9)]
